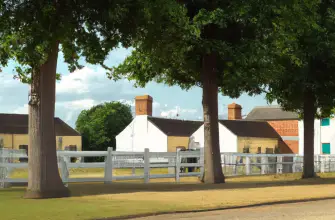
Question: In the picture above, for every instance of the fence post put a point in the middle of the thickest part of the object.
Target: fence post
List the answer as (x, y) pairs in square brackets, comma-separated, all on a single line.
[(247, 165), (146, 165), (322, 164), (264, 161), (279, 165), (109, 166), (236, 166), (64, 170), (294, 170), (202, 164), (178, 161)]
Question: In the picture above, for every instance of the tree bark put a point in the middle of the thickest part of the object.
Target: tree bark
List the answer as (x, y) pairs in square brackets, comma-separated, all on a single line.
[(43, 175), (309, 116), (212, 168)]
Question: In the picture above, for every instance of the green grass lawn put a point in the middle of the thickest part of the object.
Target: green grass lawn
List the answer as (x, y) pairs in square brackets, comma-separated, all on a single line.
[(97, 200)]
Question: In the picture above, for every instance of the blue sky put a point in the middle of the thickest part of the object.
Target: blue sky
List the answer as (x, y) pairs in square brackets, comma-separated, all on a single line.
[(85, 88)]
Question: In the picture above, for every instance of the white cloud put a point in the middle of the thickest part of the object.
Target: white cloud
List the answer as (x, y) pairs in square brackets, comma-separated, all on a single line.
[(78, 104), (178, 112), (21, 110), (81, 81), (127, 102)]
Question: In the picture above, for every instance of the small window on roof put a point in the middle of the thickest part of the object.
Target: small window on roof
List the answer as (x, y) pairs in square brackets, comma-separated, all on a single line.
[(325, 122)]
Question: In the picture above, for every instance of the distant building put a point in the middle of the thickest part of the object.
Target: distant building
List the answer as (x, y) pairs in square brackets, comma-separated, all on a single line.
[(284, 122), (157, 134), (14, 133), (242, 136)]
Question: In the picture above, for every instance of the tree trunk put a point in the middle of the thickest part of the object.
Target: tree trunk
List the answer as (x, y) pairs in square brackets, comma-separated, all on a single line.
[(43, 176), (212, 168), (309, 116)]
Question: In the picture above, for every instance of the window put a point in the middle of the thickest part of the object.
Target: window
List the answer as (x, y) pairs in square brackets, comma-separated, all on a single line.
[(2, 145), (23, 147), (259, 150), (246, 150), (269, 150), (326, 148), (325, 122), (71, 148)]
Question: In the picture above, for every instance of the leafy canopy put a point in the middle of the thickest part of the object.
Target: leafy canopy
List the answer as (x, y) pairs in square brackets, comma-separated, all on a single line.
[(170, 49), (83, 28), (306, 60), (100, 125)]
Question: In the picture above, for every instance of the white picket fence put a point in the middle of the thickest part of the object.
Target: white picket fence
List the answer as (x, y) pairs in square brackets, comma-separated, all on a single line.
[(236, 164), (113, 160), (233, 164)]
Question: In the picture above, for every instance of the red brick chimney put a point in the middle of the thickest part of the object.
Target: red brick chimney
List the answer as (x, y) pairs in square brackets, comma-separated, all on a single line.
[(234, 111), (143, 105)]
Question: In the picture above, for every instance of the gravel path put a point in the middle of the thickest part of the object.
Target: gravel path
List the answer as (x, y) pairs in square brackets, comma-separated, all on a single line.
[(295, 211)]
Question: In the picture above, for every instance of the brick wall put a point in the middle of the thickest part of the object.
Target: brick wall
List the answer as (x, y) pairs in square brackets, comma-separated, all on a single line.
[(289, 147), (286, 128)]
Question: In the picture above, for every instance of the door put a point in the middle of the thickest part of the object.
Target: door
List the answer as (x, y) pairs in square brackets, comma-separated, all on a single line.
[(325, 148)]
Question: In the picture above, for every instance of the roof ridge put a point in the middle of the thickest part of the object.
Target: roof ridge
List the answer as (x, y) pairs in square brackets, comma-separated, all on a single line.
[(268, 106), (21, 114), (12, 114), (176, 119), (245, 120)]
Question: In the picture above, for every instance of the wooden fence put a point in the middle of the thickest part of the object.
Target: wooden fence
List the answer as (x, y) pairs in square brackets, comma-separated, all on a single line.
[(233, 164), (113, 160)]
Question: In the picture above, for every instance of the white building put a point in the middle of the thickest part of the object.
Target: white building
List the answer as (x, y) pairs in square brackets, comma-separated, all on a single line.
[(157, 134), (243, 136), (324, 136)]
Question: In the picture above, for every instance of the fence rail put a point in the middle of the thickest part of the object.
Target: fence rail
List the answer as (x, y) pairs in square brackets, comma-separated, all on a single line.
[(233, 164)]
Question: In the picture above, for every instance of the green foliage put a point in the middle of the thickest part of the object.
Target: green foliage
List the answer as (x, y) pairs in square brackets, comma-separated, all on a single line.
[(171, 49), (100, 125), (29, 29), (306, 60)]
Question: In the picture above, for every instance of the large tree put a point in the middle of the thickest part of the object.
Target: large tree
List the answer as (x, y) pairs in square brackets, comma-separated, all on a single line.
[(220, 46), (31, 33), (100, 124), (305, 78)]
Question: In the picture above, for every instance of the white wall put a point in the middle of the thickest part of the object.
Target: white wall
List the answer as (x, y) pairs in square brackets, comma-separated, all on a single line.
[(228, 140), (141, 134), (327, 136)]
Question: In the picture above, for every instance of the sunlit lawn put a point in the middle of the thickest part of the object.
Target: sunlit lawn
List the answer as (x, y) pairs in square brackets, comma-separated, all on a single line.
[(92, 201)]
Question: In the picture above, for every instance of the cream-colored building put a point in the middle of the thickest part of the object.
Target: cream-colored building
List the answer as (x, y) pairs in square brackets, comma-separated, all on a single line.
[(14, 133)]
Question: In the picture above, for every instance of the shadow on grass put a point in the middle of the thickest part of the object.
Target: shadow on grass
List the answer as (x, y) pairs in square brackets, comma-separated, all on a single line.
[(91, 189), (217, 209), (87, 189)]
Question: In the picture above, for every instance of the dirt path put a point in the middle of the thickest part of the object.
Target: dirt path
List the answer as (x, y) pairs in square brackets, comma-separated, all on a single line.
[(295, 211)]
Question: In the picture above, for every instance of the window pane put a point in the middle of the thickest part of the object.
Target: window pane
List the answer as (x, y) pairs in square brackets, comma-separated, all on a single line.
[(326, 148), (325, 122)]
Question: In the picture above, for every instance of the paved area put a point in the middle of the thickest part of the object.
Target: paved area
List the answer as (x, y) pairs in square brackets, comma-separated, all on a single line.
[(320, 210)]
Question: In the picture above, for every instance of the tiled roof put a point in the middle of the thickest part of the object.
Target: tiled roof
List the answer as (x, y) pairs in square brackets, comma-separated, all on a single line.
[(243, 128), (174, 127), (18, 124), (267, 113)]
